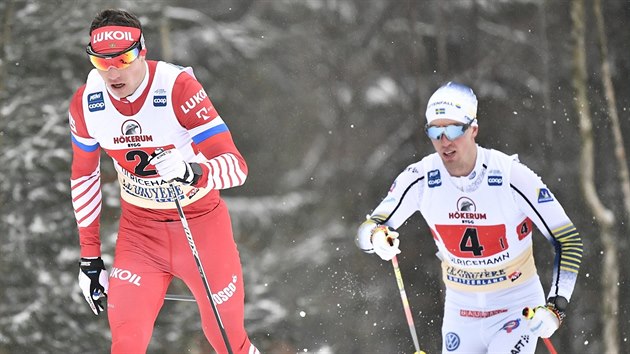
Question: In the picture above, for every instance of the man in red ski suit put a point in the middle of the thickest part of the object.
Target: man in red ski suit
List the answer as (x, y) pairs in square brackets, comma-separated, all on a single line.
[(158, 125)]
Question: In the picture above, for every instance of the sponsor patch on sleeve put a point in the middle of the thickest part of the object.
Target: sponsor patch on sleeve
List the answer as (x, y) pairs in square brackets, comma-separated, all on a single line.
[(95, 101), (495, 180), (434, 179), (544, 195), (159, 101)]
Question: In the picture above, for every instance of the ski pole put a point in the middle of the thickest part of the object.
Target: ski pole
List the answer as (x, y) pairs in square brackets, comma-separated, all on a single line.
[(549, 345), (193, 249), (406, 307), (173, 297)]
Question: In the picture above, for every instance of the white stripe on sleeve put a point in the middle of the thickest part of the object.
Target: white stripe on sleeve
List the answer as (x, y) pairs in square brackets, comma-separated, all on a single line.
[(240, 175), (86, 198), (225, 172)]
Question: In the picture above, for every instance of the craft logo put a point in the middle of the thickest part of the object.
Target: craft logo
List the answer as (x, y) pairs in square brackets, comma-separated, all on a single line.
[(544, 195), (159, 101), (522, 342), (495, 180), (434, 179), (131, 134), (451, 340), (96, 102)]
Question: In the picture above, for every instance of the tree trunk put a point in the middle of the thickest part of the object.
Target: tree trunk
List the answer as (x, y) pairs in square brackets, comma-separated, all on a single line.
[(604, 217), (545, 57), (165, 38), (5, 39), (441, 40), (609, 91)]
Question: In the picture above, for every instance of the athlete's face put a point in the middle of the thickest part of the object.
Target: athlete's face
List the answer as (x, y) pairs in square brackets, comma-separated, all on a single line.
[(124, 82), (459, 155)]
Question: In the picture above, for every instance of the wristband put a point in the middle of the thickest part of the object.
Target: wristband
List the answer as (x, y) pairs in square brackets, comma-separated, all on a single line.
[(197, 172), (557, 305)]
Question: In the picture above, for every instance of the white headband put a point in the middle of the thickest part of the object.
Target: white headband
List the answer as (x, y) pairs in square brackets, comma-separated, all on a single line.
[(452, 101)]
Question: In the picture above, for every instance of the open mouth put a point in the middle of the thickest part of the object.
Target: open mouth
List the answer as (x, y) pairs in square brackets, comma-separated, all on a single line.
[(117, 86)]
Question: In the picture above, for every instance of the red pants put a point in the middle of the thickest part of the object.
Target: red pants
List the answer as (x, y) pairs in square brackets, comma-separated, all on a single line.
[(149, 254)]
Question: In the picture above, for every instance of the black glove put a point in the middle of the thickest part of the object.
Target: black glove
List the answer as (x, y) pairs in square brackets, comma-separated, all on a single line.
[(94, 282)]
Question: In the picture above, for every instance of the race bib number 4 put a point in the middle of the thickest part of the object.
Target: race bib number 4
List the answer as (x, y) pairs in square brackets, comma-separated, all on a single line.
[(478, 241)]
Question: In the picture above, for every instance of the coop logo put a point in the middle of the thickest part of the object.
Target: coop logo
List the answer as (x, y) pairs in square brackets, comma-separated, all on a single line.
[(131, 134), (434, 179), (159, 101), (227, 292), (451, 340), (495, 180), (95, 102), (125, 275)]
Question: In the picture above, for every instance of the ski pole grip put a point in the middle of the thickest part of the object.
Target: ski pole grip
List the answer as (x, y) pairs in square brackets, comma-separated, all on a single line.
[(157, 152), (528, 313)]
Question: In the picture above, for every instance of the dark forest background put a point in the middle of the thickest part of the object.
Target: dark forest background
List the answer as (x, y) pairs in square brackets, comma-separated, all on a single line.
[(325, 99)]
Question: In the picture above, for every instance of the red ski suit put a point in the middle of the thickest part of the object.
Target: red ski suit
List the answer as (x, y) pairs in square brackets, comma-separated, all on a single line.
[(169, 109)]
